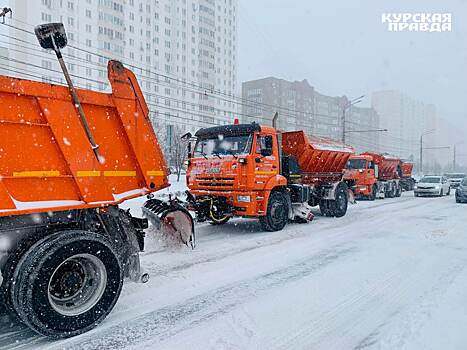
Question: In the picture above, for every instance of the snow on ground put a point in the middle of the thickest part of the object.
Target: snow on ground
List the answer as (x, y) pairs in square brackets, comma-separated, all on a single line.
[(391, 274)]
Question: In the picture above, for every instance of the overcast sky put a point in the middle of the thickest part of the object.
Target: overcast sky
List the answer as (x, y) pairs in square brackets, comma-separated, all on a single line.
[(341, 47)]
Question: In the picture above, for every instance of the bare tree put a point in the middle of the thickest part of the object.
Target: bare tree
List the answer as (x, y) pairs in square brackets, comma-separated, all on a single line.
[(174, 148)]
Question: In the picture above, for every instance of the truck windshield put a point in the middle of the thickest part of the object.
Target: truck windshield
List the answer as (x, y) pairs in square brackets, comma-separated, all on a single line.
[(356, 164), (431, 180), (223, 145)]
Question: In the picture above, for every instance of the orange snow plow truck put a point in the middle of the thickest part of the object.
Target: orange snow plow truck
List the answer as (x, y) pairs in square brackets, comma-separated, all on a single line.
[(65, 245), (256, 171), (372, 175)]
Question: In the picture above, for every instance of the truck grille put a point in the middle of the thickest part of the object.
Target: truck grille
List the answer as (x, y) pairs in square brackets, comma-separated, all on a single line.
[(211, 182)]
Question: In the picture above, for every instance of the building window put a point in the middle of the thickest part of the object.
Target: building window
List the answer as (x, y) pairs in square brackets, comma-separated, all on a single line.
[(46, 17)]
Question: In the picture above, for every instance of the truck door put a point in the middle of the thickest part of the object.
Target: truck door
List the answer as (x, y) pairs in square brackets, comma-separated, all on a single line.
[(266, 160)]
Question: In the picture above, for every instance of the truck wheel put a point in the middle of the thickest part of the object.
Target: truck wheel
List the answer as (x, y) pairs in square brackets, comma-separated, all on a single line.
[(373, 193), (398, 191), (67, 283), (339, 205), (277, 213), (391, 193)]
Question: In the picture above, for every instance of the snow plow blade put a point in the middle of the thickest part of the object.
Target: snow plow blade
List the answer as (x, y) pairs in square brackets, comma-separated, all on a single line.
[(171, 220)]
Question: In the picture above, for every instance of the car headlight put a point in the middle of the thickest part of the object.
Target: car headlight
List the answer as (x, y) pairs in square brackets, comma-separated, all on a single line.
[(415, 187), (245, 199), (437, 187)]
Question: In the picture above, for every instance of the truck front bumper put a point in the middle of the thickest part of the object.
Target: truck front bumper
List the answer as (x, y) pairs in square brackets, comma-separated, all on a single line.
[(243, 203), (427, 192)]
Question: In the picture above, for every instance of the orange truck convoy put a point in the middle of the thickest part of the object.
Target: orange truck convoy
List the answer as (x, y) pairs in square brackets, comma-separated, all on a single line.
[(68, 158), (257, 171), (371, 175)]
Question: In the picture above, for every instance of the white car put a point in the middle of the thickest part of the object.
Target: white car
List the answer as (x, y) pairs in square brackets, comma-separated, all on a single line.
[(455, 179), (432, 186)]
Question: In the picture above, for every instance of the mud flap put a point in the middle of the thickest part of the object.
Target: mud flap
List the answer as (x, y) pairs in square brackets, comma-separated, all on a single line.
[(351, 197), (172, 220)]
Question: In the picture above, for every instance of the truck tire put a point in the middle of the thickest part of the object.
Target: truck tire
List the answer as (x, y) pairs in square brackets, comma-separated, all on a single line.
[(373, 193), (391, 193), (67, 283), (398, 190), (335, 207), (277, 214), (339, 205)]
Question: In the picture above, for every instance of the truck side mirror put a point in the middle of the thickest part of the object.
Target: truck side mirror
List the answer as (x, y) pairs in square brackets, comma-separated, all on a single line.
[(51, 36)]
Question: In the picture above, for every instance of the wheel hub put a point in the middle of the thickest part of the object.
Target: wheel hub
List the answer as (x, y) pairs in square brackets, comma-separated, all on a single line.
[(77, 284)]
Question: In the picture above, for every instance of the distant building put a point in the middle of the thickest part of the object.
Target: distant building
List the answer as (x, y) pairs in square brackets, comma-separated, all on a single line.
[(300, 106), (293, 101), (360, 121), (406, 119)]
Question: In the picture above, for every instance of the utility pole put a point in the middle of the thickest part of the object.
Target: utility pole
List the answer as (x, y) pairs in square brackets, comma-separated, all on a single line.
[(421, 148), (454, 160), (346, 106)]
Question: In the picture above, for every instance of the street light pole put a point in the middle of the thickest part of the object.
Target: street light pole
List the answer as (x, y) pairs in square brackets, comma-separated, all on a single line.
[(454, 165), (344, 108), (421, 148)]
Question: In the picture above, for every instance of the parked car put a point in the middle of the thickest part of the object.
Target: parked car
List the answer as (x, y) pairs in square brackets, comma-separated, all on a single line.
[(432, 186), (461, 192), (455, 179)]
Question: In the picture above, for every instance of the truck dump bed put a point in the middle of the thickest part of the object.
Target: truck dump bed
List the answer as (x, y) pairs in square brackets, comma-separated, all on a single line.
[(320, 159), (388, 166), (46, 160)]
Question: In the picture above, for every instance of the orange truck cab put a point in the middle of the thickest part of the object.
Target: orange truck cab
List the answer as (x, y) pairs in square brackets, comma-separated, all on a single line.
[(257, 171), (371, 175)]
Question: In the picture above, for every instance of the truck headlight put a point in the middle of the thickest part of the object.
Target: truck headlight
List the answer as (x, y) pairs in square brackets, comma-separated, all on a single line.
[(245, 199)]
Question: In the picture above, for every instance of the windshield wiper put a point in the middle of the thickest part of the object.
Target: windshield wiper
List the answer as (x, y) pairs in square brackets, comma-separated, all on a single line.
[(217, 154), (233, 154)]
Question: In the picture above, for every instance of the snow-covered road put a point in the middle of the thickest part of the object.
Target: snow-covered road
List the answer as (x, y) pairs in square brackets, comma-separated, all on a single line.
[(391, 274)]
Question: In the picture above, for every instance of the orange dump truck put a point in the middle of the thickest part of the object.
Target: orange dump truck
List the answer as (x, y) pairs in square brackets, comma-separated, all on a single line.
[(257, 171), (65, 246), (372, 175)]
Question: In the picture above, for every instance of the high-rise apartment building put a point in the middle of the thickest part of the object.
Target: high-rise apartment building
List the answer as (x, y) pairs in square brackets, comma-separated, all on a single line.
[(184, 52), (301, 107), (406, 120)]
